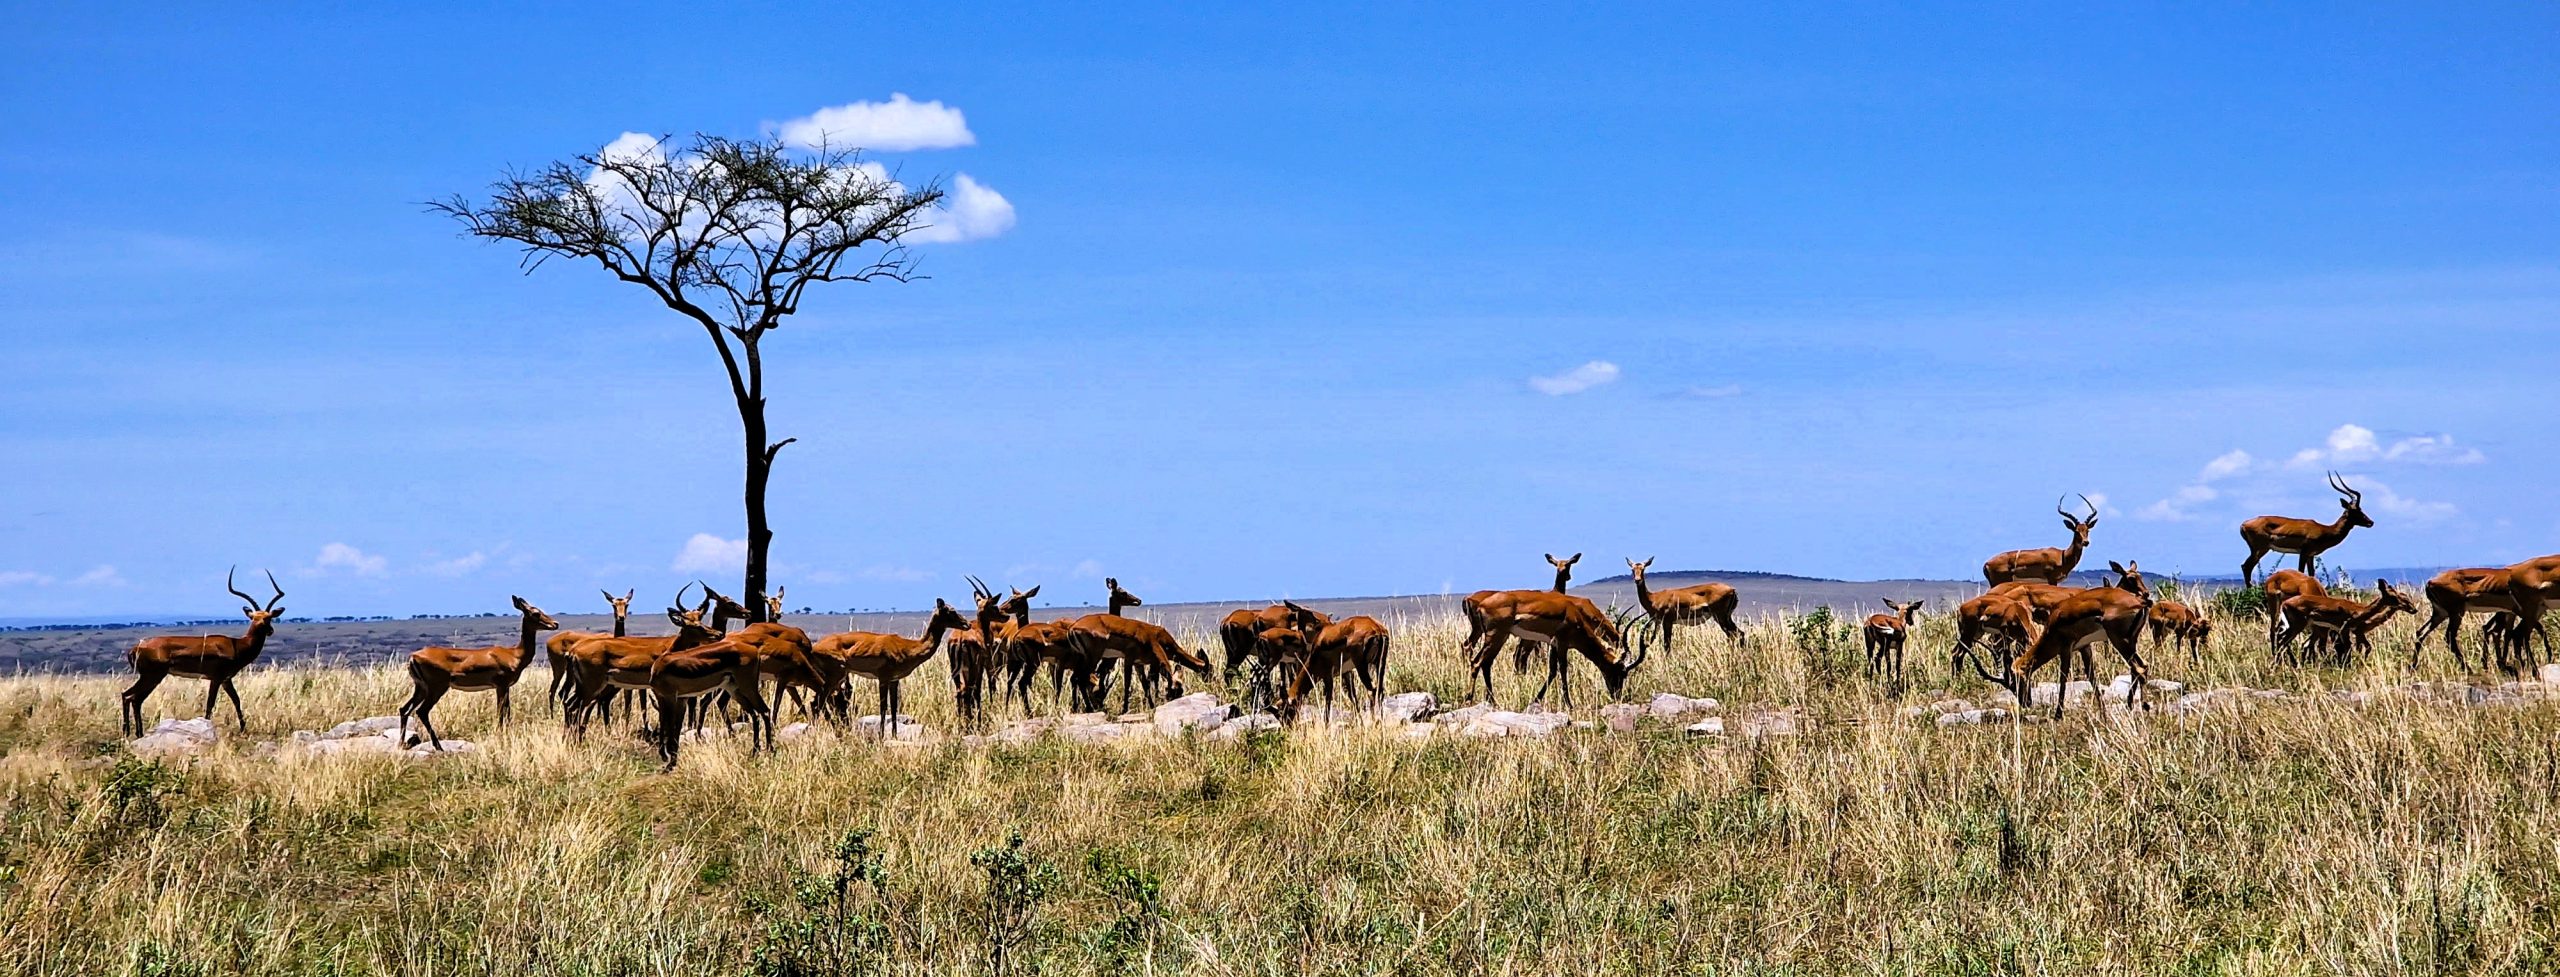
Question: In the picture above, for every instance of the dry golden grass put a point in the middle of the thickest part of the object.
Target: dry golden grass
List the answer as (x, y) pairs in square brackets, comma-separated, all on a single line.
[(2308, 837)]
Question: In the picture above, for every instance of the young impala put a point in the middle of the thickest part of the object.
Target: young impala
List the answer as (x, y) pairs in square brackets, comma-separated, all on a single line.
[(1886, 634)]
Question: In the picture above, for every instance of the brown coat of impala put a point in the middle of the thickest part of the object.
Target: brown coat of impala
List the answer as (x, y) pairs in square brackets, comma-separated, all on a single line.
[(2116, 614), (1240, 633), (2455, 593), (2001, 618), (215, 658), (436, 670), (2343, 626), (887, 659), (2535, 585), (1148, 654), (2306, 538), (1354, 646), (973, 656), (700, 665), (2040, 598), (2180, 626), (1475, 607), (2049, 564), (1685, 605), (1886, 634), (1563, 623), (1029, 644), (599, 667), (2284, 585), (557, 649)]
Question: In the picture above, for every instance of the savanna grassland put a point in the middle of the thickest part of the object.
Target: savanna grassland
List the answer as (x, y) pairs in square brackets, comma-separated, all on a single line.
[(2307, 836)]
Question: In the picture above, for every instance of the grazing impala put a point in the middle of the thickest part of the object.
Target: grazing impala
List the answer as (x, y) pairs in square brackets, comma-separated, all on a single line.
[(558, 647), (2115, 614), (2455, 593), (1886, 634), (1355, 646), (2306, 538), (1240, 632), (435, 670), (1476, 607), (1564, 623), (887, 659), (215, 658), (1148, 652), (2050, 564), (2343, 626), (2010, 622), (2181, 627), (1686, 605), (700, 664)]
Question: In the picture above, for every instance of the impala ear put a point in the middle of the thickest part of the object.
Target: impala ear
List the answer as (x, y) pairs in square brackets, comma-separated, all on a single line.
[(1031, 593), (519, 601), (2117, 567)]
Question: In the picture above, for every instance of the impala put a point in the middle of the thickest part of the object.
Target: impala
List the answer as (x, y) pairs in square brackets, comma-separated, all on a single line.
[(558, 647), (1564, 623), (1999, 616), (1886, 634), (2049, 564), (2182, 627), (2114, 614), (2040, 598), (602, 666), (215, 658), (1241, 634), (1149, 651), (1475, 607), (887, 659), (781, 652), (2532, 584), (435, 670), (2504, 631), (1686, 605), (2455, 593), (2344, 626), (2284, 585), (972, 654), (700, 664), (1029, 644), (2306, 538), (1355, 646)]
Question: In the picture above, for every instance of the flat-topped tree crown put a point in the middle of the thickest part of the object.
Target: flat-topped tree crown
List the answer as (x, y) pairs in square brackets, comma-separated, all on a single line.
[(728, 233)]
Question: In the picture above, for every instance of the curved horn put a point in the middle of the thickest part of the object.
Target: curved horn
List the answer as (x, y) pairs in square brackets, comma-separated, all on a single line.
[(234, 588), (679, 604), (2093, 507), (279, 597)]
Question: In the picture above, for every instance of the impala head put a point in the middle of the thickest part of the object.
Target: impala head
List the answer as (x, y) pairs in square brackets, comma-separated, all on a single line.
[(2351, 501), (2129, 577), (723, 607), (1908, 612), (687, 618), (621, 605), (773, 604), (2394, 598), (1617, 665), (1018, 606), (1301, 618), (990, 606), (1639, 568), (535, 617), (1564, 565), (262, 618), (2078, 525), (946, 617), (1119, 597)]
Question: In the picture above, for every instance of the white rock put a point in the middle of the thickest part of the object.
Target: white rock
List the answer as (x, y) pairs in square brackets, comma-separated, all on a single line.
[(1095, 732), (791, 732), (367, 726), (1243, 725), (1972, 717), (1710, 726), (2549, 673), (1418, 731), (1621, 716), (173, 737), (354, 746), (906, 728), (450, 746), (1405, 707), (1464, 715), (1197, 712), (305, 736), (1672, 705)]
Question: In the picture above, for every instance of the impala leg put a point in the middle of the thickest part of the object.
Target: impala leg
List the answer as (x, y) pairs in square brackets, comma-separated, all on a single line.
[(670, 730), (1485, 657), (424, 703), (506, 705)]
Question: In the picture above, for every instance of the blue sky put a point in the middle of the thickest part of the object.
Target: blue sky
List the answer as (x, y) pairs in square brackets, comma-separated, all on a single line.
[(1320, 300)]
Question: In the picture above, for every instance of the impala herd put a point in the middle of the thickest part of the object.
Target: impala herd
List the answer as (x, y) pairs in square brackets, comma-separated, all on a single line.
[(721, 658)]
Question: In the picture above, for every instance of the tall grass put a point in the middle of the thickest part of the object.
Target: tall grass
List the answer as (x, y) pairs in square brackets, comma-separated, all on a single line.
[(2301, 837)]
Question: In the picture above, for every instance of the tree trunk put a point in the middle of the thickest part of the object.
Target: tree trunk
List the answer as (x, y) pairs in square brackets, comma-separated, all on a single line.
[(759, 534)]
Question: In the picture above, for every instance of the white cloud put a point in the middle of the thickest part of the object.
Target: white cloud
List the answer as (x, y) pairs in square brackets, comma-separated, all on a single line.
[(24, 578), (706, 553), (1597, 373), (897, 125), (102, 575), (2345, 445), (459, 565), (970, 211), (340, 556)]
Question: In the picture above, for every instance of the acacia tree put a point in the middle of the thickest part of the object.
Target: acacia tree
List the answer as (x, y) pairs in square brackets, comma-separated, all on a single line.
[(728, 233)]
